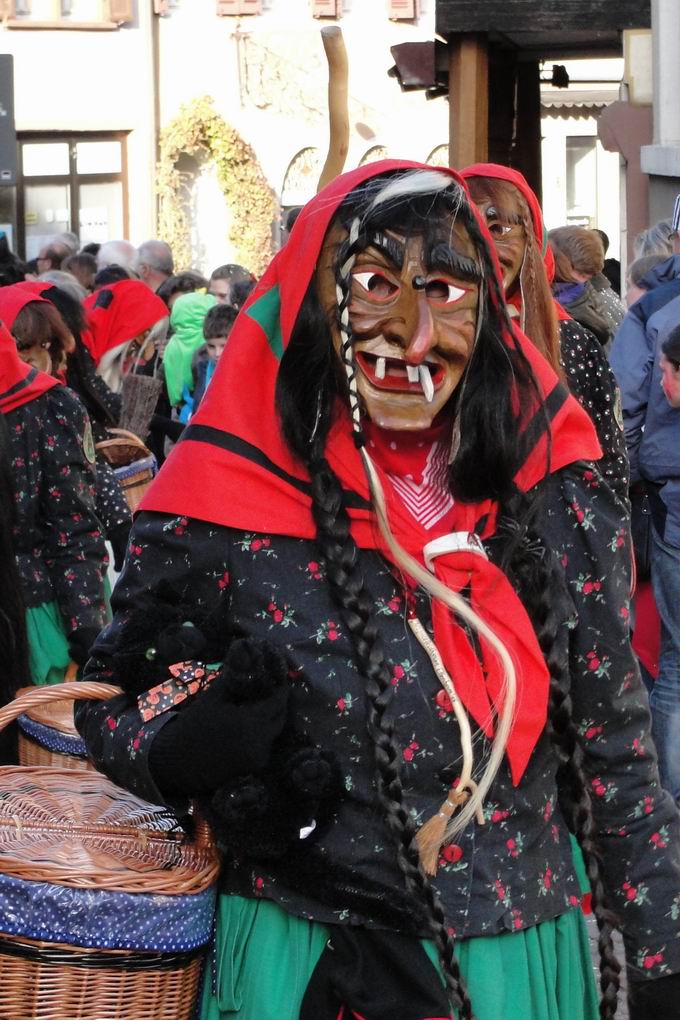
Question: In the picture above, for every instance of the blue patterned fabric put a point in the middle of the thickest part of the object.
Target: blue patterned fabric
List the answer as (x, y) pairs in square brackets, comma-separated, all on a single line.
[(96, 918), (53, 740)]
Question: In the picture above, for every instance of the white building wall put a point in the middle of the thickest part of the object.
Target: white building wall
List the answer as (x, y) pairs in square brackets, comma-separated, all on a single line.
[(92, 81), (278, 102)]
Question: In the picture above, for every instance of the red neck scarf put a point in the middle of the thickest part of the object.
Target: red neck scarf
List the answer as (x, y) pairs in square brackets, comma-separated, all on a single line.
[(118, 313), (504, 173), (233, 468)]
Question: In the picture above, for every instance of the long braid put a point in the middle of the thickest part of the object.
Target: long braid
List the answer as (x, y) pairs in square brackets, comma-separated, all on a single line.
[(543, 591), (355, 603), (340, 555)]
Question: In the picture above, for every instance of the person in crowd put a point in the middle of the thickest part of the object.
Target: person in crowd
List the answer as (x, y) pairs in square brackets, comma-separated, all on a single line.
[(154, 263), (67, 282), (91, 248), (670, 367), (14, 668), (42, 338), (636, 283), (217, 326), (110, 274), (579, 284), (391, 499), (103, 408), (186, 321), (289, 223), (60, 548), (612, 267), (515, 221), (84, 267), (659, 239), (652, 426), (52, 255), (68, 240), (241, 291), (223, 278), (181, 283), (12, 269), (117, 253), (127, 326)]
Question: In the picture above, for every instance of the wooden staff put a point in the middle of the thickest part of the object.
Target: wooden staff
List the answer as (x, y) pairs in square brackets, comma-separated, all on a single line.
[(338, 108)]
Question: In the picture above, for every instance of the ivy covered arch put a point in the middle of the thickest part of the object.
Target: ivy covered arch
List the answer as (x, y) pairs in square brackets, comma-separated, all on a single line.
[(200, 133)]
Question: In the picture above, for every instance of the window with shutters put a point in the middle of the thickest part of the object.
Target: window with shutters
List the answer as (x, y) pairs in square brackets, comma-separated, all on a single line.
[(227, 8), (327, 8), (66, 13), (402, 10)]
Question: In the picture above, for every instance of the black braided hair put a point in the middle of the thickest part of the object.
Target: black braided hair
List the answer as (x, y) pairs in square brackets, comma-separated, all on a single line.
[(349, 591), (540, 581)]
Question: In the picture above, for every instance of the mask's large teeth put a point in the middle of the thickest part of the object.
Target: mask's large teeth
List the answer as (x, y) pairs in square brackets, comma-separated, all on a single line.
[(412, 372), (426, 382), (380, 368)]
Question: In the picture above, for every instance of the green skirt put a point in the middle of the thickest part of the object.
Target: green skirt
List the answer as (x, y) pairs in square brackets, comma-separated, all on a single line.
[(263, 960), (48, 652)]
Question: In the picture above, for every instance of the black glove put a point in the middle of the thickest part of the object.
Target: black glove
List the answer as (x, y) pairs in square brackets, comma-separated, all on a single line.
[(655, 999), (227, 730)]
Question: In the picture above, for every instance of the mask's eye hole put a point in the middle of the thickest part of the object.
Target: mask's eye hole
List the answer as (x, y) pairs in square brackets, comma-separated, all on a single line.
[(441, 292), (498, 229), (376, 285)]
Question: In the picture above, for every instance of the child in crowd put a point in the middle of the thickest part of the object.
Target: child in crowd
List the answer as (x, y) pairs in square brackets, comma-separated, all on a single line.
[(216, 329), (670, 367)]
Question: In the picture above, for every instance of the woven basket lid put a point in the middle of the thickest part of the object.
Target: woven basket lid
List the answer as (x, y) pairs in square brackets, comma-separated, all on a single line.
[(79, 829), (57, 714)]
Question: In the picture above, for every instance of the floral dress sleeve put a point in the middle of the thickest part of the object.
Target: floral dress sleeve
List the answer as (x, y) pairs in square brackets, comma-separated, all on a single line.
[(75, 555), (177, 553), (637, 822)]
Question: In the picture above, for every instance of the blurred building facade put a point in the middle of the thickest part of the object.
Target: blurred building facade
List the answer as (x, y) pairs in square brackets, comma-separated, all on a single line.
[(96, 80)]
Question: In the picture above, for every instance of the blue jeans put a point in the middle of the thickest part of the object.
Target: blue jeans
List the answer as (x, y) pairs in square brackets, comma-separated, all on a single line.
[(665, 697)]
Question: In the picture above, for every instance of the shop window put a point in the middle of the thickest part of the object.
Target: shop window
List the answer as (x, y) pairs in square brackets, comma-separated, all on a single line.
[(71, 183)]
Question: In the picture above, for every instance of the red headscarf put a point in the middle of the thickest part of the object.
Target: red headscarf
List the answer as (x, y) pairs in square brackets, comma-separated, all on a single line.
[(13, 299), (233, 467), (519, 181), (19, 383), (119, 312)]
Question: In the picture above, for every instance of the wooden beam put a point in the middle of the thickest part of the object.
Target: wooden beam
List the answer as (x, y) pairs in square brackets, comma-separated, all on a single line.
[(526, 155), (541, 16), (468, 99)]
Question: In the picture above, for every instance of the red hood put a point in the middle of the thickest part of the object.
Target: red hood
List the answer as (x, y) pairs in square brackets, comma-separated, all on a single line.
[(19, 383), (119, 312)]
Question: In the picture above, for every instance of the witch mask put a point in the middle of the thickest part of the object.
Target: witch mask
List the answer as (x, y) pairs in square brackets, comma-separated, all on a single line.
[(412, 299)]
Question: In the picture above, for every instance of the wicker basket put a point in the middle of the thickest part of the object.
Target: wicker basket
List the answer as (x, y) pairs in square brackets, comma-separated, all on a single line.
[(133, 463), (135, 479), (47, 736), (106, 904)]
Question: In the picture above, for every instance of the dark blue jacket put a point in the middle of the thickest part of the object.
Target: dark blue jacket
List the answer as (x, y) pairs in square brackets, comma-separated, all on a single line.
[(652, 425)]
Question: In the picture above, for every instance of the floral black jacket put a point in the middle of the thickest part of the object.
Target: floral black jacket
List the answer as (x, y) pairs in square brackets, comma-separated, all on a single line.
[(515, 870), (60, 548)]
